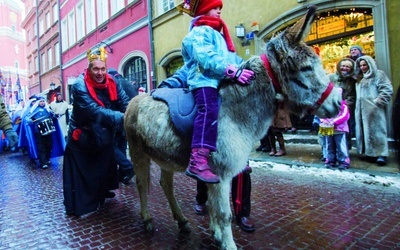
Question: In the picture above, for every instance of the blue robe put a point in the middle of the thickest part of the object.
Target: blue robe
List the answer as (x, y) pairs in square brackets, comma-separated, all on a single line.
[(27, 138)]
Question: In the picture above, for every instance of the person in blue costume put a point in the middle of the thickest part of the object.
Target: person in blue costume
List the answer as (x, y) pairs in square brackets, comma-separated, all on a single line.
[(43, 130), (16, 117), (25, 131)]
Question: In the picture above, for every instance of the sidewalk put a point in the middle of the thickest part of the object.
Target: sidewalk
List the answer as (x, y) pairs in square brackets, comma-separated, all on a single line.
[(302, 148)]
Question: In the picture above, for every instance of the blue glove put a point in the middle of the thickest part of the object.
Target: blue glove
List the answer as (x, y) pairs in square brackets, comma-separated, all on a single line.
[(12, 137), (241, 75)]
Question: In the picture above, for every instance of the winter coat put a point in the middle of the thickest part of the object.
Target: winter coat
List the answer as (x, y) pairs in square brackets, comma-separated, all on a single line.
[(86, 111), (374, 93), (5, 120), (347, 83), (206, 56), (281, 119), (340, 121)]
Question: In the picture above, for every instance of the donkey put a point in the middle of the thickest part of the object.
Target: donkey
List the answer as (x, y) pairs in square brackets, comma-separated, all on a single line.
[(289, 69)]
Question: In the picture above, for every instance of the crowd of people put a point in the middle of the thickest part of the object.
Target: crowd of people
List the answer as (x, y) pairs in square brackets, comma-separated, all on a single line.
[(92, 138), (364, 115)]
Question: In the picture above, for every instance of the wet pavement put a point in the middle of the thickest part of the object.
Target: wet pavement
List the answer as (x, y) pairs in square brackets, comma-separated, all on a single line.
[(292, 209)]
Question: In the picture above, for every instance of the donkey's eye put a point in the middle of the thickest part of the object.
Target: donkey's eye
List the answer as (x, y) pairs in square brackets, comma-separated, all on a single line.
[(306, 68), (300, 83)]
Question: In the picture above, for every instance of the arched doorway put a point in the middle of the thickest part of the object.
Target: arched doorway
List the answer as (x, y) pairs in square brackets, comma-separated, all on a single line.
[(135, 71)]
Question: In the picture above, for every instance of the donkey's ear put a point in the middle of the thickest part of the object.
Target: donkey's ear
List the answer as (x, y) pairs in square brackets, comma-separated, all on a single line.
[(299, 31)]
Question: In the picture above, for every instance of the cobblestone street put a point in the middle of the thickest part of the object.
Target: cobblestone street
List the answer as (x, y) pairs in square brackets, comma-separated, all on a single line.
[(291, 210)]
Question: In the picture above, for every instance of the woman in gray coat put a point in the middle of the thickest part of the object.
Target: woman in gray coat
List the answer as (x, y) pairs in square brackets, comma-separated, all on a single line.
[(374, 92)]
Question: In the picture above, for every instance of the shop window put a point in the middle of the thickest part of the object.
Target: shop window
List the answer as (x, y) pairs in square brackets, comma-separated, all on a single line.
[(135, 71), (333, 51), (335, 31), (173, 66)]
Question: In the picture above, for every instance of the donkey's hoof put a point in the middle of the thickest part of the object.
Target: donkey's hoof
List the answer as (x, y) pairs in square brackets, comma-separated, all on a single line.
[(184, 227), (148, 225)]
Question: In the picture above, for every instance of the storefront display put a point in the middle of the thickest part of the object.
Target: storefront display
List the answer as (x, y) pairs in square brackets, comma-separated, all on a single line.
[(333, 51)]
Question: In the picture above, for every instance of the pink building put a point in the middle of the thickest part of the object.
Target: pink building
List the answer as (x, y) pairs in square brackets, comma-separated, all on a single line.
[(12, 59), (121, 26), (41, 24)]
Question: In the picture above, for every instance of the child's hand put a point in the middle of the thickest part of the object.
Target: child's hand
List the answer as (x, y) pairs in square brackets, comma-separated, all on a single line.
[(241, 75)]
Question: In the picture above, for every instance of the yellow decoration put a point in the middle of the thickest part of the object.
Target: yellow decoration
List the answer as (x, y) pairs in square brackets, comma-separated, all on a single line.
[(188, 6), (326, 130), (95, 56)]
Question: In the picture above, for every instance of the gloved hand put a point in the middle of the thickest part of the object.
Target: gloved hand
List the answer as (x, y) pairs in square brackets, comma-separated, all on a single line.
[(241, 75), (12, 137)]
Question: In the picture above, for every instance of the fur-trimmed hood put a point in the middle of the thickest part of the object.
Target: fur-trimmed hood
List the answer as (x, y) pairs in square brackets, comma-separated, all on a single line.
[(371, 64), (340, 76)]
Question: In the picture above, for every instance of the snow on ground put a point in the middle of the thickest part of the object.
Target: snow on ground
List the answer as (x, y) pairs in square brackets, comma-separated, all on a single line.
[(334, 174)]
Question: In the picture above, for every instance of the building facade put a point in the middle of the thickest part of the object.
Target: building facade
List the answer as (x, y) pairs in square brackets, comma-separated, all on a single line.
[(120, 26), (13, 72), (372, 24), (41, 25)]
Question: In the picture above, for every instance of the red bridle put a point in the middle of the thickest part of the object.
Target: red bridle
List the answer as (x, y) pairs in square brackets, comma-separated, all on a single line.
[(278, 87)]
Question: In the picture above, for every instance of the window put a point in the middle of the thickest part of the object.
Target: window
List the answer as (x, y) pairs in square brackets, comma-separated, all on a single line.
[(116, 5), (102, 11), (34, 29), (55, 13), (30, 68), (164, 6), (16, 64), (174, 65), (36, 69), (80, 18), (57, 53), (41, 27), (64, 37), (90, 15), (43, 57), (48, 24), (71, 28), (50, 58), (135, 71)]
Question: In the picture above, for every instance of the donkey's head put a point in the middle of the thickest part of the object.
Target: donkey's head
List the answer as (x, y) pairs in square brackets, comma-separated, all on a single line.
[(305, 85)]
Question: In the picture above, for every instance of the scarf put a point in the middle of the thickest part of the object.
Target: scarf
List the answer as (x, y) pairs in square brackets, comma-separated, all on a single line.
[(92, 85), (217, 24)]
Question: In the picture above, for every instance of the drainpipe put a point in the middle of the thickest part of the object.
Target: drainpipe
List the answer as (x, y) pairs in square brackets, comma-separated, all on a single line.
[(153, 65), (38, 46), (63, 90)]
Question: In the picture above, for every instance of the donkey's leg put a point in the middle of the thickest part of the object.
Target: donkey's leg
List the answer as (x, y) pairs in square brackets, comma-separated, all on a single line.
[(142, 169), (220, 214), (167, 184)]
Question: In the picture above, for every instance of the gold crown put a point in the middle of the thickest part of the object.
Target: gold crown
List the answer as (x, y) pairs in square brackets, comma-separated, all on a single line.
[(188, 6), (95, 56)]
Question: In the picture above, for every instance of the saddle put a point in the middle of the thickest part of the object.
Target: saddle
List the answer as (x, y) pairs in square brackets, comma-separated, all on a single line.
[(182, 107)]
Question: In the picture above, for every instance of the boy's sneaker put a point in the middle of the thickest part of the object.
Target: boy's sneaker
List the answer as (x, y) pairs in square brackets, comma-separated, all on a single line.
[(343, 166), (329, 165)]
